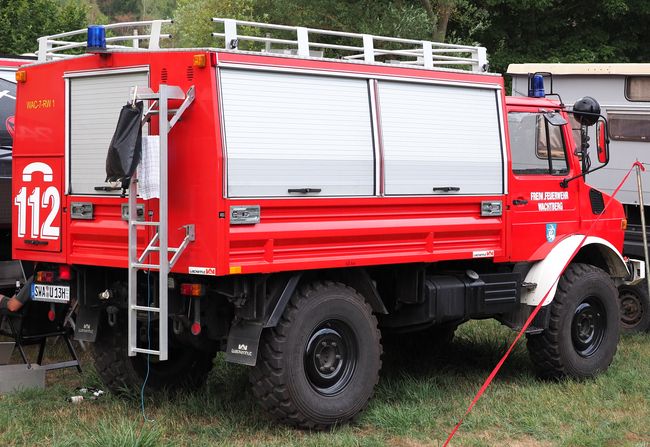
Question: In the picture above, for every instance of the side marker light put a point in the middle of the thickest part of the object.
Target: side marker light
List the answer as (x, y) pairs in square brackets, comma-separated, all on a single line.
[(200, 61)]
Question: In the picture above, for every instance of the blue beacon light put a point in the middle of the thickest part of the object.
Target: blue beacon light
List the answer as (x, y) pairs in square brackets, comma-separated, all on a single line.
[(96, 38), (536, 87)]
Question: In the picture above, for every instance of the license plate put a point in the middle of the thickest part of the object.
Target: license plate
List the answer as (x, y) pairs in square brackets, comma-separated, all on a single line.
[(51, 294)]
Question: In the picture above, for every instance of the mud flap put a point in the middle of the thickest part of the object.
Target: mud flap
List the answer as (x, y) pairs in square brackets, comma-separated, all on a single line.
[(243, 342), (86, 324)]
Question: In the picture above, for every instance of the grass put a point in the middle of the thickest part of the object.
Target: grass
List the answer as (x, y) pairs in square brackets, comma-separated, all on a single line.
[(417, 403)]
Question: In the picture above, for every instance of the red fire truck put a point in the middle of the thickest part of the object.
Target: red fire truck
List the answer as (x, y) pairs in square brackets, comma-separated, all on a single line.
[(299, 203)]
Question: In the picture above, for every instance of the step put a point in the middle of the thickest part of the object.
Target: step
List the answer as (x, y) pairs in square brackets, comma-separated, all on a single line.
[(145, 266), (144, 223), (146, 351), (145, 308)]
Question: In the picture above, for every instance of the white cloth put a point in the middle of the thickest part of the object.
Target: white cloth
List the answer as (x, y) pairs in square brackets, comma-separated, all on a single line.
[(149, 168)]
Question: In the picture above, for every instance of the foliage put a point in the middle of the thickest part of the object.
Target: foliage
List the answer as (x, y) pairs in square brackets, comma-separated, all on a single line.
[(193, 19), (559, 31), (22, 22), (512, 30)]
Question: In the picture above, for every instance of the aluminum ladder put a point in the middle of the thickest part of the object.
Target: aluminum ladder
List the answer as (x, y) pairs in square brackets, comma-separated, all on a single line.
[(159, 243)]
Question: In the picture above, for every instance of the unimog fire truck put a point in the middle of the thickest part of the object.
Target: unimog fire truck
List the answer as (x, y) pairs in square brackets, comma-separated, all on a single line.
[(301, 196)]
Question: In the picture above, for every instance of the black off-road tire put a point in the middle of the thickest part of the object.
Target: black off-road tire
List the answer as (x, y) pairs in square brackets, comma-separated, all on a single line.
[(185, 368), (323, 320), (584, 327), (635, 307)]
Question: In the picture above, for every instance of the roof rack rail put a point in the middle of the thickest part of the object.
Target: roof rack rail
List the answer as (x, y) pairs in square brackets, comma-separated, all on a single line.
[(307, 42), (52, 47)]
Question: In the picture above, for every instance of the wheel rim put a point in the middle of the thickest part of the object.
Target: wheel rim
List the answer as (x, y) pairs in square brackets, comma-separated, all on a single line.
[(330, 357), (588, 327), (631, 308)]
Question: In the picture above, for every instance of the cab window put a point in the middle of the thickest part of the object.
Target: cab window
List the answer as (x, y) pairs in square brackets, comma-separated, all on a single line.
[(537, 146)]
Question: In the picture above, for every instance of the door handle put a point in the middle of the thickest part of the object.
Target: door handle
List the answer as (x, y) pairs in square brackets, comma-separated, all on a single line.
[(304, 190), (446, 189), (520, 202)]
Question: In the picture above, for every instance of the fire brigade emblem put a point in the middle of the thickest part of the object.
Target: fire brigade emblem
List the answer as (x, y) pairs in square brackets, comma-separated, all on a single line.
[(551, 231)]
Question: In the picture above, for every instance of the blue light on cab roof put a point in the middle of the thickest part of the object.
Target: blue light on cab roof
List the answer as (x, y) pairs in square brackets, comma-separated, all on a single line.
[(96, 38), (536, 87)]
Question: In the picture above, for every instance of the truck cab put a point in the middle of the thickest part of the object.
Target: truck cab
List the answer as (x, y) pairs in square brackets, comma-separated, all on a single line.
[(544, 153)]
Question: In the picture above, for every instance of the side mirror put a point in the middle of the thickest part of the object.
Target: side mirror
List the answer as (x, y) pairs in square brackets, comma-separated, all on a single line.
[(603, 142)]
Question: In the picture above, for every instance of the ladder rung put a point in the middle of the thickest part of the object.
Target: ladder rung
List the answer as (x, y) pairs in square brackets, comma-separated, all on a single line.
[(145, 266), (144, 223), (148, 96), (172, 249), (145, 308), (145, 351), (156, 112)]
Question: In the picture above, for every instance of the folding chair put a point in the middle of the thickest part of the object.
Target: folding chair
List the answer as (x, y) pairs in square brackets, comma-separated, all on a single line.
[(34, 324)]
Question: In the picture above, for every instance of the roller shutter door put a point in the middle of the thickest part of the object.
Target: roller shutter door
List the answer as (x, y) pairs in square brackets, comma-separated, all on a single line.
[(438, 136), (95, 104), (291, 131)]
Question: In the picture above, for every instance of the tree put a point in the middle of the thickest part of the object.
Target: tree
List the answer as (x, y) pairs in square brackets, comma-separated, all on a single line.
[(560, 31), (22, 22), (439, 15), (192, 19)]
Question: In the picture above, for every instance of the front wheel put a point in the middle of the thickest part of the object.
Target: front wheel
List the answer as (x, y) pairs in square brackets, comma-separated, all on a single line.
[(320, 365), (583, 331)]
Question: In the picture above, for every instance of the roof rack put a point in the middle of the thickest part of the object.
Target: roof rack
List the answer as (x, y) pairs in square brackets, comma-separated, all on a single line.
[(53, 47), (308, 42)]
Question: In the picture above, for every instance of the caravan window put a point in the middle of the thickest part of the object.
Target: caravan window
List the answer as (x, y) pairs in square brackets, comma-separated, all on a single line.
[(637, 88), (629, 126)]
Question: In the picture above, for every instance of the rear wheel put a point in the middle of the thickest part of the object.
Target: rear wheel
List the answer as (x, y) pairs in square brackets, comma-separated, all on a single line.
[(635, 307), (320, 365), (186, 367), (583, 330)]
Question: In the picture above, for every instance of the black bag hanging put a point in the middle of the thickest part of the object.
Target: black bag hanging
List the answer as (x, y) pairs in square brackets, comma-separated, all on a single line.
[(125, 150)]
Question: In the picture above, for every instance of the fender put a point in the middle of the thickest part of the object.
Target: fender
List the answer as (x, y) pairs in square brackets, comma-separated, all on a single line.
[(545, 272)]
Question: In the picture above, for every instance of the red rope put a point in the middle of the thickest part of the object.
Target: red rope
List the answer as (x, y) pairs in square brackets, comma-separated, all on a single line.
[(534, 313)]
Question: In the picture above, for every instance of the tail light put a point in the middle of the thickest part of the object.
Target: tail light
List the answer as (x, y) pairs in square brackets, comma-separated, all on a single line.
[(65, 272), (45, 276), (192, 289)]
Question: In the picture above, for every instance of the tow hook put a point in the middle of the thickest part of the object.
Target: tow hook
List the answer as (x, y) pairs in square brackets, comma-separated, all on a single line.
[(111, 312), (179, 324)]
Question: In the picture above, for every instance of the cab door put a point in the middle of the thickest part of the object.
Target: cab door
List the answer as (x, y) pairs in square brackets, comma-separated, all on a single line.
[(542, 210)]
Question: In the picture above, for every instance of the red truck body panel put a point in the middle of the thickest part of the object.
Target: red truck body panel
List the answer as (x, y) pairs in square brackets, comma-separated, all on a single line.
[(294, 233)]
